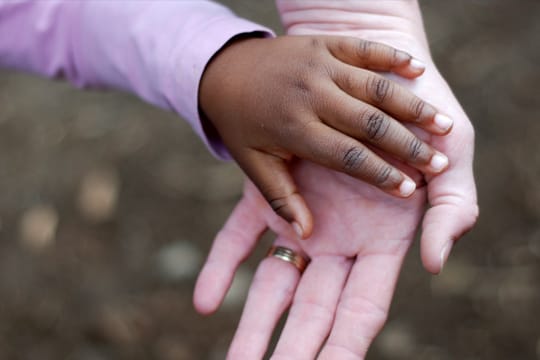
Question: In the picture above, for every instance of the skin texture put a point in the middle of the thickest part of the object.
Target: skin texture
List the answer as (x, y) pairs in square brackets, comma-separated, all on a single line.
[(321, 104), (360, 236)]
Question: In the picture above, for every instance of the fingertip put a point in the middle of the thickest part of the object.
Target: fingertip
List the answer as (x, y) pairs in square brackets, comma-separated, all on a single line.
[(412, 69), (302, 222), (443, 123), (434, 258), (407, 187), (204, 309), (438, 163), (203, 302), (305, 230), (416, 66), (298, 229)]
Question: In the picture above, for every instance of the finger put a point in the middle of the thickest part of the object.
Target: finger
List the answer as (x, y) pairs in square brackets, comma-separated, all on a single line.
[(232, 245), (367, 123), (340, 152), (363, 307), (314, 305), (392, 98), (272, 177), (375, 56), (270, 294), (454, 210)]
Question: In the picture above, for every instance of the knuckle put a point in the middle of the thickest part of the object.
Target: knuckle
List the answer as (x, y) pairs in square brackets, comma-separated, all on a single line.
[(383, 174), (360, 305), (363, 50), (354, 158), (395, 58), (415, 148), (301, 86), (379, 88), (277, 203), (416, 108), (315, 43), (376, 125), (280, 206)]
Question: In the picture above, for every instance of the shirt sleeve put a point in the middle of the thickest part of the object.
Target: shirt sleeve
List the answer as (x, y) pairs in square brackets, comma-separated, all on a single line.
[(155, 49)]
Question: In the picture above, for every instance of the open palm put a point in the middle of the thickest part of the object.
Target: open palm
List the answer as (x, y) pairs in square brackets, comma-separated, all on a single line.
[(359, 241), (360, 238)]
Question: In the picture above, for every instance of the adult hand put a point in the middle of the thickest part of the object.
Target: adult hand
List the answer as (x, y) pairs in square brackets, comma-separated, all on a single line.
[(360, 239), (452, 195)]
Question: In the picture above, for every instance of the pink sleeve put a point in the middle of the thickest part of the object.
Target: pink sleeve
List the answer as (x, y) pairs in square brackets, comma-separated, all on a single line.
[(155, 49)]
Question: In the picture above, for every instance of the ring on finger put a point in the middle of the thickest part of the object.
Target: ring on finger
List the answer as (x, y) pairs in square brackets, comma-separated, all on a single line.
[(298, 261)]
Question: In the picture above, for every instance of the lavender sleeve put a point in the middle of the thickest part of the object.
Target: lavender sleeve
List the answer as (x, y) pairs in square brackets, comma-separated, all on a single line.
[(155, 49)]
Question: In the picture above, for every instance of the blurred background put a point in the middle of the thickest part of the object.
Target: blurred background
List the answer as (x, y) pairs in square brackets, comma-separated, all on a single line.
[(108, 207)]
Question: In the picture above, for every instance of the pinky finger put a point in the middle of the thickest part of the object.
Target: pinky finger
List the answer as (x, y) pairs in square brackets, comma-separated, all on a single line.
[(231, 246)]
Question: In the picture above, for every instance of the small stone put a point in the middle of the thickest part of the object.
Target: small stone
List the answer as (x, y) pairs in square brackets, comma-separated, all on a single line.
[(98, 195), (178, 261), (38, 226), (396, 341)]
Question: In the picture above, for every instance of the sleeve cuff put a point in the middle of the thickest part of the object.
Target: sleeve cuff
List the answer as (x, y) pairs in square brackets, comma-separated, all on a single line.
[(187, 67)]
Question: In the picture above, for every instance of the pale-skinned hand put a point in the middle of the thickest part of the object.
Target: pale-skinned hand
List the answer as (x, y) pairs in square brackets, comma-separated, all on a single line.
[(451, 195), (359, 241)]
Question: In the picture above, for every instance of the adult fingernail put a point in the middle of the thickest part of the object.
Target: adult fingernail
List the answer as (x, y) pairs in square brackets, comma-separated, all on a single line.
[(407, 187), (438, 162), (444, 254), (443, 122), (417, 65), (298, 229)]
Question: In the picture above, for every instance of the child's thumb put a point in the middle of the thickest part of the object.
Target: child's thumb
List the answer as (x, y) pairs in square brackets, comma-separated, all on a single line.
[(272, 177)]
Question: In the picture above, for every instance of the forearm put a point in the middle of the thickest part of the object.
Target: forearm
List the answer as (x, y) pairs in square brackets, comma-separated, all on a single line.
[(157, 50)]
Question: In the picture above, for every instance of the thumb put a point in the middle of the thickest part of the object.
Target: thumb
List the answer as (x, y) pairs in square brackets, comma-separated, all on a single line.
[(454, 211), (272, 177)]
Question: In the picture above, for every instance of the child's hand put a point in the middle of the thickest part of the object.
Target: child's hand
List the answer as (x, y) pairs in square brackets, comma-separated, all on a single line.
[(305, 96)]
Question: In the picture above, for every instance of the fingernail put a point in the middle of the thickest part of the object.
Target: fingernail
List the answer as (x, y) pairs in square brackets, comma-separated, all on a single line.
[(438, 162), (443, 122), (417, 65), (444, 254), (407, 187), (298, 229)]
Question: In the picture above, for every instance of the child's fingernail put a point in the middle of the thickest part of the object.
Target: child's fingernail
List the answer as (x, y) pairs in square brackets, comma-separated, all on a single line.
[(298, 229), (443, 122), (438, 162), (407, 187), (417, 65), (444, 254)]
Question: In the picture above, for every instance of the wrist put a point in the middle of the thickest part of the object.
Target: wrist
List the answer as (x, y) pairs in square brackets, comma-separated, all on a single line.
[(396, 23), (219, 83)]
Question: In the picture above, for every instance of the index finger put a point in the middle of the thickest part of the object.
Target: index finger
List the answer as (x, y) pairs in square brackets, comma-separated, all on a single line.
[(364, 305), (375, 56)]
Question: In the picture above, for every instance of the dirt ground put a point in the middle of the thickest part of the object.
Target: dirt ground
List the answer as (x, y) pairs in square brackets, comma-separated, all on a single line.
[(108, 207)]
